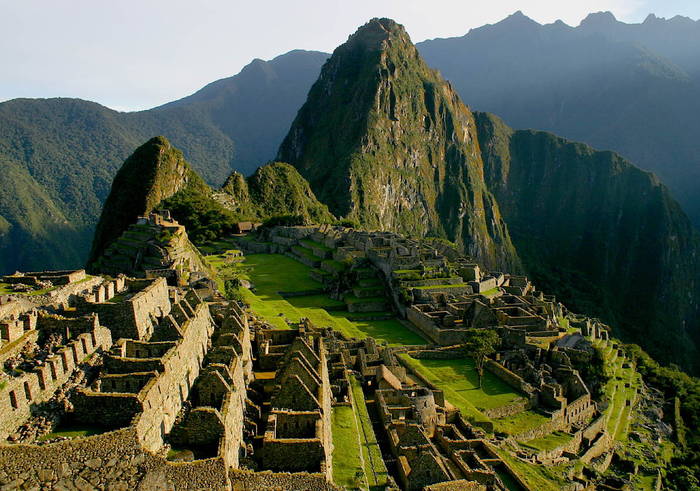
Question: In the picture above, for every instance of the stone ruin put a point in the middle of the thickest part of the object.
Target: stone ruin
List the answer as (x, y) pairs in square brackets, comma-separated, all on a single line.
[(155, 246)]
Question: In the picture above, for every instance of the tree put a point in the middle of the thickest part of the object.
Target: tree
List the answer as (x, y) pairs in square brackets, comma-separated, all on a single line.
[(479, 344)]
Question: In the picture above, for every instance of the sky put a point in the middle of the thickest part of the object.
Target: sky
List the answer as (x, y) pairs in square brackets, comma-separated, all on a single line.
[(137, 54)]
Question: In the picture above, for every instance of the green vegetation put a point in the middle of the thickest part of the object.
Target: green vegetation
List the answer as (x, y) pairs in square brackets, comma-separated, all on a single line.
[(618, 393), (154, 172), (7, 288), (70, 431), (519, 423), (684, 470), (539, 477), (70, 149), (658, 304), (549, 442), (439, 287), (460, 382), (479, 344), (347, 460), (311, 244), (203, 217), (34, 231), (375, 469), (276, 189), (273, 273)]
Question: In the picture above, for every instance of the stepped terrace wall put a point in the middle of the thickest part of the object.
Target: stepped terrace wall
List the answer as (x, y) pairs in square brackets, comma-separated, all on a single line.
[(55, 277), (20, 394), (218, 396), (268, 480)]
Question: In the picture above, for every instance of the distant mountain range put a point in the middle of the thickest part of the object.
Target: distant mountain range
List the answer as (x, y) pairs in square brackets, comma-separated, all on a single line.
[(631, 88)]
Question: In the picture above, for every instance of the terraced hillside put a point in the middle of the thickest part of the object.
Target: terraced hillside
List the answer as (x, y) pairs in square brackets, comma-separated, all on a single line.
[(295, 273)]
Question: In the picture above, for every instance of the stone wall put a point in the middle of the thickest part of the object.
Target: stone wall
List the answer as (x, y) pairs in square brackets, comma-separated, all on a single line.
[(602, 444), (572, 446), (275, 481), (135, 317), (511, 378), (160, 400), (66, 294), (113, 461), (20, 394), (182, 365), (428, 327), (367, 306), (556, 423), (511, 409)]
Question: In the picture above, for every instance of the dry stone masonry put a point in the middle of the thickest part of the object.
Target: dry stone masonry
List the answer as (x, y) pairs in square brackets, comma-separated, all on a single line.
[(152, 382)]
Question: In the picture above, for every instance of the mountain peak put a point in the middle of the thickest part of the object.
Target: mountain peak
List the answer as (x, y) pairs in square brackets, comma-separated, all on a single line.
[(518, 19), (599, 19), (154, 172), (385, 141), (376, 31)]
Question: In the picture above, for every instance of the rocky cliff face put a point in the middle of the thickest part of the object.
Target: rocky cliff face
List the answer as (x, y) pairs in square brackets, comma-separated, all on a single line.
[(384, 140), (154, 172), (602, 234)]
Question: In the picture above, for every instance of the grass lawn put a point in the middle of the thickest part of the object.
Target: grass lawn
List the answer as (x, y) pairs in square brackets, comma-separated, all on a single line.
[(539, 477), (549, 442), (72, 432), (519, 423), (6, 288), (217, 246), (459, 381), (272, 273), (311, 244), (375, 469), (347, 462)]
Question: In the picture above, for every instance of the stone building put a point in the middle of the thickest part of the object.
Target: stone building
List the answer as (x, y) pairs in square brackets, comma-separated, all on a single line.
[(298, 427)]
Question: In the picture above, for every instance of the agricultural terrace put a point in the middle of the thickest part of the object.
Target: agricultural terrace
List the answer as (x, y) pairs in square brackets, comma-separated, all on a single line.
[(270, 274)]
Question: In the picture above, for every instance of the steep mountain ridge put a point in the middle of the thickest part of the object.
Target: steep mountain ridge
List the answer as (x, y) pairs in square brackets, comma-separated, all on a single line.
[(33, 230), (631, 88), (604, 235), (383, 140)]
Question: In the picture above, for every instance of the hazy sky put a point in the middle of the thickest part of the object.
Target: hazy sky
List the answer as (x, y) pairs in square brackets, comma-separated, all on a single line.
[(136, 54)]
